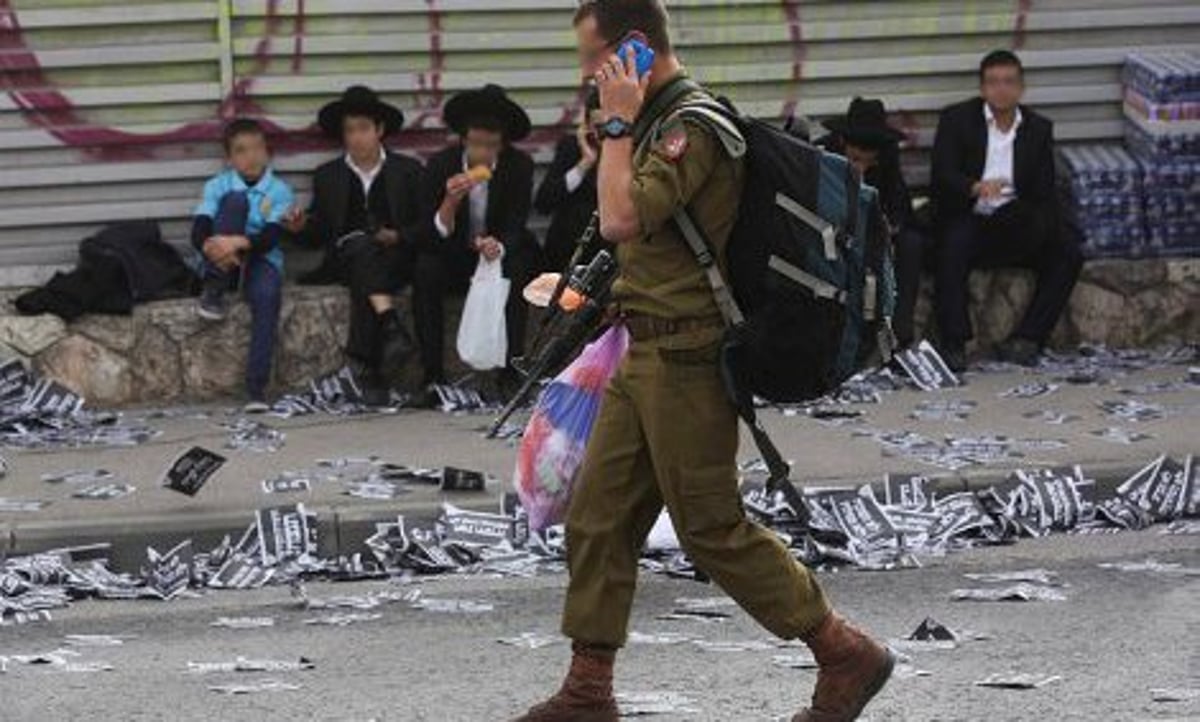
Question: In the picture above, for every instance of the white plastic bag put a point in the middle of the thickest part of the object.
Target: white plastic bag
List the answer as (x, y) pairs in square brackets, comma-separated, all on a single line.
[(482, 333)]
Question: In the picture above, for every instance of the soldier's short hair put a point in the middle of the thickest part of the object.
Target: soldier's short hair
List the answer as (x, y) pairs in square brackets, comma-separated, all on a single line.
[(617, 18)]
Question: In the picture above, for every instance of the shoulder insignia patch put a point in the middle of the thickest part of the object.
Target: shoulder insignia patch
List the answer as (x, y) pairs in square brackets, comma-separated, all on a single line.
[(673, 142)]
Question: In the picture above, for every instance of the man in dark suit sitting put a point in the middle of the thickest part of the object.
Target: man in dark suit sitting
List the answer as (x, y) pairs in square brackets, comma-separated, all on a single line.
[(478, 193), (366, 212), (996, 205)]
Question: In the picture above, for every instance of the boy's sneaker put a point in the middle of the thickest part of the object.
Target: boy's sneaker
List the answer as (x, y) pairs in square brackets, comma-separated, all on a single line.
[(256, 406), (212, 302)]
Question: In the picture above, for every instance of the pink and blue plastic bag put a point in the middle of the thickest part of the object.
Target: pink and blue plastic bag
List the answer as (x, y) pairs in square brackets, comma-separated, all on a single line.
[(557, 434)]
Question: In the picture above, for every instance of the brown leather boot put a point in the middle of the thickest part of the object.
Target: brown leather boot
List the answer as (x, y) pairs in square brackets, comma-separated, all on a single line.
[(852, 669), (587, 692)]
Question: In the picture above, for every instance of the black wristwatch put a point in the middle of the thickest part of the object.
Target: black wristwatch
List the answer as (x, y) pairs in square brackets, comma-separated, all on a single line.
[(615, 128)]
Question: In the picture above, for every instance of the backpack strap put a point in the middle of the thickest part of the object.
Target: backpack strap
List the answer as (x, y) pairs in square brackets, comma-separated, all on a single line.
[(653, 113), (704, 256)]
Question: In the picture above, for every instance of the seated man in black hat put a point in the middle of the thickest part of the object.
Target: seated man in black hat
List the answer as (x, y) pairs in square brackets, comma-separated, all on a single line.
[(477, 200), (873, 147), (366, 212)]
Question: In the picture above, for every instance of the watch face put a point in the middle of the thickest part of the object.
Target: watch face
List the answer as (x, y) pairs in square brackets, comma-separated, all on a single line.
[(614, 126)]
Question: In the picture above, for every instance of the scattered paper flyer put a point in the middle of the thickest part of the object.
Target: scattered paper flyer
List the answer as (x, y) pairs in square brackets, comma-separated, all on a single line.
[(169, 574), (926, 368), (192, 470), (1029, 391), (243, 623), (1016, 593), (21, 505), (286, 484), (1118, 435), (530, 640), (104, 492), (95, 640), (454, 479), (266, 685), (1175, 694), (242, 664), (1017, 681), (645, 704)]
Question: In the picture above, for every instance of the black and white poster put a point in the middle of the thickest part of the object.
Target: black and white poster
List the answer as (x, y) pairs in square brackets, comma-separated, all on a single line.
[(192, 470), (286, 532)]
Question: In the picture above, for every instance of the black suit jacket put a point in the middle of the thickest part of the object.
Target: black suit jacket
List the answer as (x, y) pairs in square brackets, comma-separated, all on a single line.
[(402, 176), (570, 212), (960, 154), (510, 195)]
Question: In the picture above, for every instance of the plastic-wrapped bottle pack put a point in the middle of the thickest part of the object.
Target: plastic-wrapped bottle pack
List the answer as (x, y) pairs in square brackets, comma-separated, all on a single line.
[(1162, 131), (1102, 190)]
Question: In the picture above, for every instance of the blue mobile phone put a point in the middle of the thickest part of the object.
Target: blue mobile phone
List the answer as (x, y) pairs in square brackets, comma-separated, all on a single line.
[(643, 54)]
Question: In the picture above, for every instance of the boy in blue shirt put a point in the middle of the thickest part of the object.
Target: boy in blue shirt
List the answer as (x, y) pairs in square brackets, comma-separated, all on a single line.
[(238, 227)]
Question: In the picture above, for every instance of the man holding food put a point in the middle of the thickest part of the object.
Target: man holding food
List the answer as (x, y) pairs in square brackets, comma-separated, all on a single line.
[(478, 193)]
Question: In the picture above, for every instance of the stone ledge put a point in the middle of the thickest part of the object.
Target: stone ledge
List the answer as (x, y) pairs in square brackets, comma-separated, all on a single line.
[(1119, 303), (163, 353)]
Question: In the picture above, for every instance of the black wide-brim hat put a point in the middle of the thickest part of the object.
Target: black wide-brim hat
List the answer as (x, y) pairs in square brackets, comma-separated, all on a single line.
[(490, 101), (865, 123), (359, 100)]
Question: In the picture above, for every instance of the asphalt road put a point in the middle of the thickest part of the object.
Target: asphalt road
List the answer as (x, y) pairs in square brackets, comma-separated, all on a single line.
[(1119, 635)]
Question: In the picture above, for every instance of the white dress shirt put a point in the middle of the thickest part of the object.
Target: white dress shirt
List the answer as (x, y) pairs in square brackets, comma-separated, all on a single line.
[(999, 165), (367, 177), (574, 179)]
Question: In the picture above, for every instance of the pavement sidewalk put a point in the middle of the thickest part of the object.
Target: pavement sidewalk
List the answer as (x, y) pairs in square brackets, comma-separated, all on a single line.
[(822, 455)]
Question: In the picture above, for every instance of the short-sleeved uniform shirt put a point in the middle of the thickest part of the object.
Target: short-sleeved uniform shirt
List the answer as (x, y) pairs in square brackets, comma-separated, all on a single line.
[(684, 163), (269, 200)]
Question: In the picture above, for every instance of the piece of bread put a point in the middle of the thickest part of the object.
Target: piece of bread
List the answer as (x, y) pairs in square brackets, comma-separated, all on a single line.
[(480, 174)]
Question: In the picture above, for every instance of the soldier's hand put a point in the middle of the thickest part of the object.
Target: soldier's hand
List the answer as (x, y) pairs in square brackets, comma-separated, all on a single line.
[(622, 92)]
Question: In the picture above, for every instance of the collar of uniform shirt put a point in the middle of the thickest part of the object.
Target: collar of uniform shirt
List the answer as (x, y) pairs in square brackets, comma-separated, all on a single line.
[(367, 176), (990, 116)]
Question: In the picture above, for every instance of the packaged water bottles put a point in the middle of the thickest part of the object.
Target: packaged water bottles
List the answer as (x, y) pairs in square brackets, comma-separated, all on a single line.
[(1162, 131), (1102, 189)]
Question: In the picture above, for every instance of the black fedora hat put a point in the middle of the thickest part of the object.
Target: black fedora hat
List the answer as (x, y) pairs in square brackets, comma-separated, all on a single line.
[(490, 101), (359, 100), (865, 122)]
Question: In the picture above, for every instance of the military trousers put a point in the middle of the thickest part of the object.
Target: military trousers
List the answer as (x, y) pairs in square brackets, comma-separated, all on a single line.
[(667, 434)]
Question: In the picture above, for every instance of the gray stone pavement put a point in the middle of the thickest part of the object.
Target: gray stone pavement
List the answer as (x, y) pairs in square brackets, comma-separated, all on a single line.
[(821, 455)]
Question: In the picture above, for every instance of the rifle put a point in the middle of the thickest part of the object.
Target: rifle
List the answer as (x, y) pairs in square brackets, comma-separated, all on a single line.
[(569, 324)]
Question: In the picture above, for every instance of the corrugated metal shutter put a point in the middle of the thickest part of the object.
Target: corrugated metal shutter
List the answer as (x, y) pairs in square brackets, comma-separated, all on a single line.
[(110, 109)]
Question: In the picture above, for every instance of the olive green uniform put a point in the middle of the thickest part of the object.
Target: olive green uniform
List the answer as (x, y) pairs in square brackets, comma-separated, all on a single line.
[(666, 432)]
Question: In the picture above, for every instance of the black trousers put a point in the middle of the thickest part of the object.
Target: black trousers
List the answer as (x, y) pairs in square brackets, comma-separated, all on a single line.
[(368, 269), (438, 275), (1020, 235), (913, 254)]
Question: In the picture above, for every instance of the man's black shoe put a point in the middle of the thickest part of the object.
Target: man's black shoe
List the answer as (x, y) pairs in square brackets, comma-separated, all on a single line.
[(377, 396), (1020, 351), (955, 356), (397, 344)]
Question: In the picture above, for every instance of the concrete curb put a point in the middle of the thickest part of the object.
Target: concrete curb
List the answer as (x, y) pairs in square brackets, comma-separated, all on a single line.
[(343, 527)]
